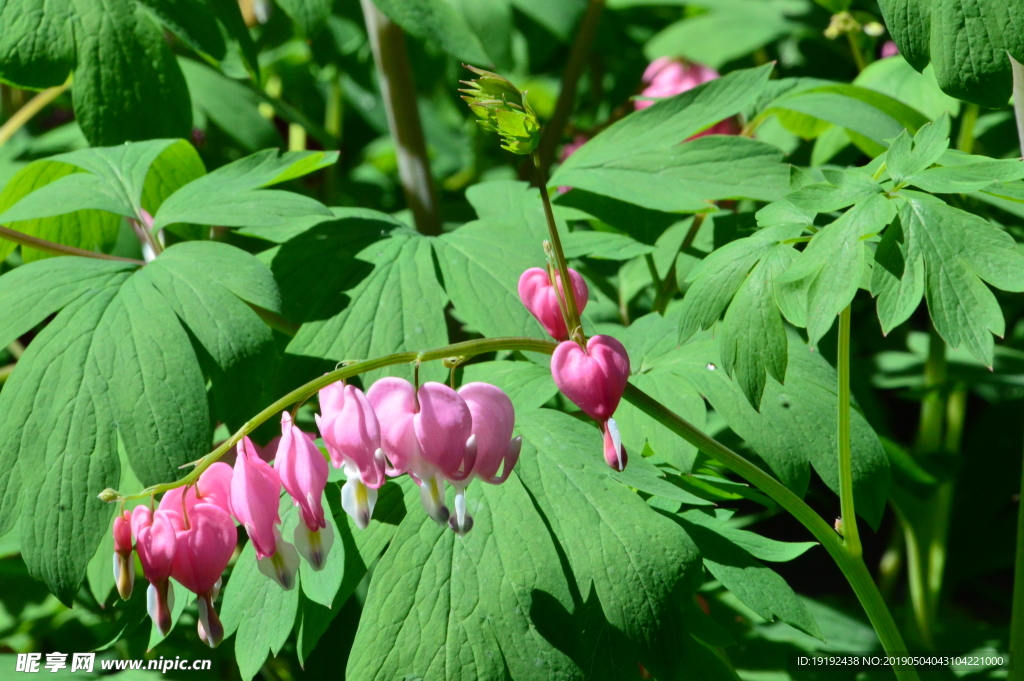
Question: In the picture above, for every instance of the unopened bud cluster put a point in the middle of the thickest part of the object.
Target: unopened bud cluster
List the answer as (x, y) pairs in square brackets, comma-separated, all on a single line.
[(501, 107), (434, 434)]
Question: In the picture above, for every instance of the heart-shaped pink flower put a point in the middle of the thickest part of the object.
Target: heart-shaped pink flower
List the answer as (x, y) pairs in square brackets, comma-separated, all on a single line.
[(202, 552), (539, 297), (593, 379)]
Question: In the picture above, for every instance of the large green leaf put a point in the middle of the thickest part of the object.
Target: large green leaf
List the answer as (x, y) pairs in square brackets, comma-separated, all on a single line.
[(115, 363), (440, 21), (639, 159), (258, 611), (558, 17), (797, 421), (967, 43), (946, 254), (235, 195), (442, 606), (78, 198), (127, 85), (715, 37), (309, 15), (638, 561), (397, 307), (481, 262), (758, 586)]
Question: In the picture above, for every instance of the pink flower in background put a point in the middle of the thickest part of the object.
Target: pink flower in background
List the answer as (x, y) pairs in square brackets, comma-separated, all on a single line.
[(889, 49), (570, 148), (669, 77), (213, 487)]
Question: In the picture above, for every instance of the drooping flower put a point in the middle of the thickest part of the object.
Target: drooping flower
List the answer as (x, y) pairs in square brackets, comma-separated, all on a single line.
[(352, 434), (594, 379), (493, 421), (213, 486), (667, 77), (156, 543), (203, 548), (427, 433), (303, 472), (124, 565), (255, 496), (540, 298)]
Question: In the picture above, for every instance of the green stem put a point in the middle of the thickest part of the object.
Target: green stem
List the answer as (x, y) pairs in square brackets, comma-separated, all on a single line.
[(394, 74), (5, 372), (858, 57), (574, 325), (58, 249), (965, 140), (304, 392), (851, 535), (851, 565), (581, 46), (1017, 615), (23, 115)]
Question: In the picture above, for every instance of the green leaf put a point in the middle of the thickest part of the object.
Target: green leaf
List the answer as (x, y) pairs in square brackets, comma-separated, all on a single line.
[(717, 277), (869, 115), (639, 159), (481, 262), (830, 269), (528, 385), (89, 229), (893, 76), (397, 307), (959, 252), (229, 104), (439, 21), (796, 424), (635, 557), (967, 44), (752, 335), (258, 611), (205, 284), (603, 245), (318, 586), (642, 224), (234, 195), (309, 15), (647, 339), (716, 37), (448, 607), (757, 546), (558, 17), (842, 188), (905, 159), (759, 587)]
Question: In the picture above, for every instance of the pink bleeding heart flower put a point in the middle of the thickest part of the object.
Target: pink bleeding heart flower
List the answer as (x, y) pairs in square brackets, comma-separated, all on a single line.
[(124, 565), (889, 49), (493, 421), (255, 499), (303, 472), (667, 77), (539, 297), (213, 486), (156, 543), (427, 433), (594, 379), (204, 547), (352, 434)]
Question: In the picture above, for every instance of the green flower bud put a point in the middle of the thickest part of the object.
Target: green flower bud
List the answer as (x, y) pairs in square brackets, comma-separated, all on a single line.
[(502, 108)]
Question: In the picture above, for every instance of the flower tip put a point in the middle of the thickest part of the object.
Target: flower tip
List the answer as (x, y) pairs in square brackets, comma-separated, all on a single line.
[(108, 495), (614, 451)]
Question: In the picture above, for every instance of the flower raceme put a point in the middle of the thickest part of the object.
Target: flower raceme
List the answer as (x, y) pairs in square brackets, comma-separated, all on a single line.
[(537, 291), (435, 434), (427, 433)]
